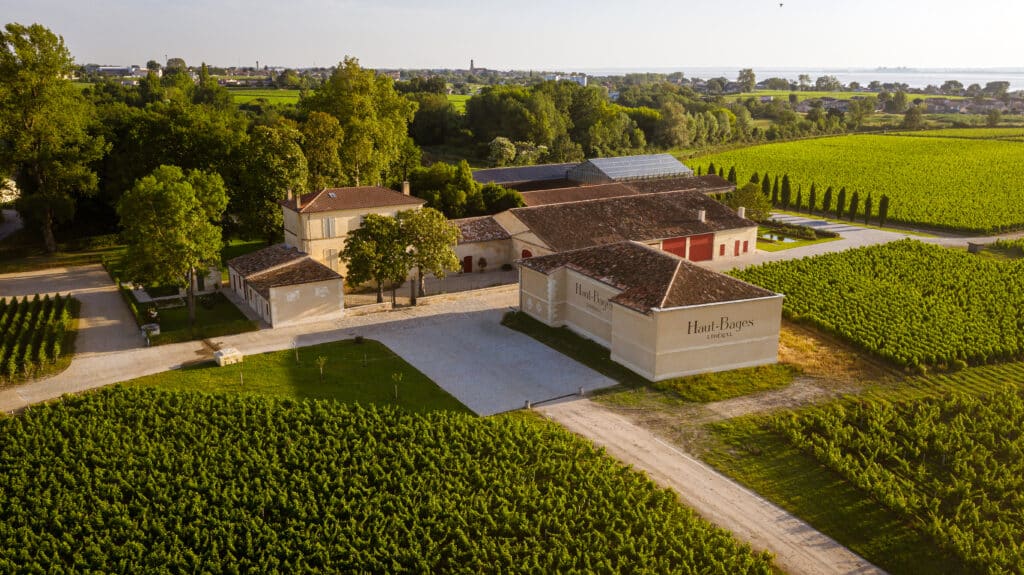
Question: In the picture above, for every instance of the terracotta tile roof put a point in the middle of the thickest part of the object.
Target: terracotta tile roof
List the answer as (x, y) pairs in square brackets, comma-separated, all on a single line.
[(264, 259), (577, 193), (301, 271), (648, 278), (333, 199), (710, 183), (481, 229), (641, 218)]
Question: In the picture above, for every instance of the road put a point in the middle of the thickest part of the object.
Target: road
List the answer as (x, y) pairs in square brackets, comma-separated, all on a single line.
[(798, 547)]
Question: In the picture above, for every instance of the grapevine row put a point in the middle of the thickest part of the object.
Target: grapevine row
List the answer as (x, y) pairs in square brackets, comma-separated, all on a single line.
[(32, 333)]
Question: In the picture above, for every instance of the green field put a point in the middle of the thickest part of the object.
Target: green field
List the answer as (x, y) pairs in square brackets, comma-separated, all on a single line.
[(247, 95), (459, 101), (366, 372), (801, 96), (140, 480), (970, 185), (968, 133), (910, 303)]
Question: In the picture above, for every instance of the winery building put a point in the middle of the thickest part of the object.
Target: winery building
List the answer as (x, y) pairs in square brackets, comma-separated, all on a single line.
[(660, 315)]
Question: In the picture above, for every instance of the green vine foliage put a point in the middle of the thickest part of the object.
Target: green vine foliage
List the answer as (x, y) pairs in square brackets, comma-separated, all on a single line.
[(137, 480)]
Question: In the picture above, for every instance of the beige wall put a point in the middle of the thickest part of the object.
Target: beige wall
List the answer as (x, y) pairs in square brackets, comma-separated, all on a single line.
[(730, 237), (534, 299), (585, 306), (497, 253), (717, 337), (317, 301), (634, 340)]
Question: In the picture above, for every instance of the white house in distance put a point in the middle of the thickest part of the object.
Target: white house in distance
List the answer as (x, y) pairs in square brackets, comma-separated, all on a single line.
[(660, 315)]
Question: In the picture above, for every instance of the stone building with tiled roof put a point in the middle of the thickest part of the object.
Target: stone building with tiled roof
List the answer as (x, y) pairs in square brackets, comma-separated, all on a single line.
[(318, 223), (483, 244), (285, 286), (660, 315)]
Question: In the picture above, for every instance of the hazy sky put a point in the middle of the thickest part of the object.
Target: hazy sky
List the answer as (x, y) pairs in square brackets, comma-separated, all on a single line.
[(537, 34)]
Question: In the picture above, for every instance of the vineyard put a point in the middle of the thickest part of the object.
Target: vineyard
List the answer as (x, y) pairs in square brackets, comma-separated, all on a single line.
[(913, 304), (136, 480), (951, 465), (35, 334), (962, 184), (968, 133)]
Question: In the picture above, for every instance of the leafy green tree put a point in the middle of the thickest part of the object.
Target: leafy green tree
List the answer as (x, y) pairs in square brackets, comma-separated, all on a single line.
[(672, 129), (749, 196), (274, 164), (993, 118), (322, 138), (755, 179), (377, 251), (431, 240), (436, 121), (913, 119), (168, 223), (501, 151), (498, 198), (410, 157), (45, 128), (747, 79), (786, 194), (210, 93), (373, 117)]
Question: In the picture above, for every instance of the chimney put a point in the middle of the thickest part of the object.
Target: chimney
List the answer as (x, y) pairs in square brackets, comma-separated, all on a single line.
[(702, 216), (741, 212), (298, 202), (289, 194), (405, 188)]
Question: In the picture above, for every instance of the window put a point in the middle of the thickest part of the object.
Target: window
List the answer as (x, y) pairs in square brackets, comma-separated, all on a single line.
[(328, 227), (331, 259), (746, 245), (527, 254), (721, 250)]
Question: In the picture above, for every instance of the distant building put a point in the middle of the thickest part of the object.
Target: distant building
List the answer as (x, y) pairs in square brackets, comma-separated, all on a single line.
[(580, 79)]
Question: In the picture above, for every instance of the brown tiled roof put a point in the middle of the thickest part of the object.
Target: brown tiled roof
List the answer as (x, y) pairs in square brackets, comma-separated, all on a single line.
[(641, 218), (481, 229), (264, 259), (577, 194), (303, 271), (648, 278), (707, 184), (333, 199)]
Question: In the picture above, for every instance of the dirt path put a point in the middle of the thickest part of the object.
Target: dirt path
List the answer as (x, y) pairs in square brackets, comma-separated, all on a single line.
[(798, 547)]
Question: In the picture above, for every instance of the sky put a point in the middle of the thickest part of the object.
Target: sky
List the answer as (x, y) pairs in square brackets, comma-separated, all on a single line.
[(562, 35)]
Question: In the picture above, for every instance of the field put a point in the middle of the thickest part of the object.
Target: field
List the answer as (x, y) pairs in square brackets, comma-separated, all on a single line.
[(912, 304), (459, 101), (968, 133), (247, 95), (133, 480), (366, 372), (808, 95), (961, 184), (36, 334)]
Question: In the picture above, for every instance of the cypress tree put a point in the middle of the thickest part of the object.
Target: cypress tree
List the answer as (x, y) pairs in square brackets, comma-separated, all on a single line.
[(854, 204), (867, 209), (841, 202), (826, 202), (721, 172), (699, 168), (799, 198), (787, 192), (883, 210), (812, 201), (775, 192), (732, 175), (755, 179), (766, 185), (711, 169)]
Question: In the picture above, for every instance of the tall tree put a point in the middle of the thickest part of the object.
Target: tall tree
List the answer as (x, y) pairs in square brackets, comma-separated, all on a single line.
[(826, 202), (374, 119), (322, 138), (854, 205), (749, 196), (766, 185), (376, 251), (431, 240), (274, 164), (812, 200), (786, 194), (883, 210), (168, 222), (867, 209), (45, 139), (841, 202), (747, 80)]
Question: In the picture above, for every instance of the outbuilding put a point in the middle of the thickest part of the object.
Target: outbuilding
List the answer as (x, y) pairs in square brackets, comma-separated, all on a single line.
[(660, 315)]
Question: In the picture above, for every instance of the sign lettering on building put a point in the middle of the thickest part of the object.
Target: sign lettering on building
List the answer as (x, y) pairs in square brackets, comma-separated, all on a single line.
[(594, 300), (724, 327)]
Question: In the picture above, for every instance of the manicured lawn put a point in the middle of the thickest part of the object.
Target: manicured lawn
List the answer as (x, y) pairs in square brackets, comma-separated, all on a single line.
[(353, 372), (215, 316), (238, 247), (459, 101), (777, 246), (763, 460), (20, 253), (246, 95), (698, 388)]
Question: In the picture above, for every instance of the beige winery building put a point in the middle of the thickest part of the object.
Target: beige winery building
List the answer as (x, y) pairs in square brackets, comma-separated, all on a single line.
[(318, 223), (660, 315), (284, 286)]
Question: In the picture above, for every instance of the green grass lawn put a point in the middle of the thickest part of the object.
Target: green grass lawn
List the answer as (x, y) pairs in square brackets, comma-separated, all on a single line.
[(20, 252), (246, 95), (697, 388), (459, 101), (215, 316), (353, 372), (238, 247)]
